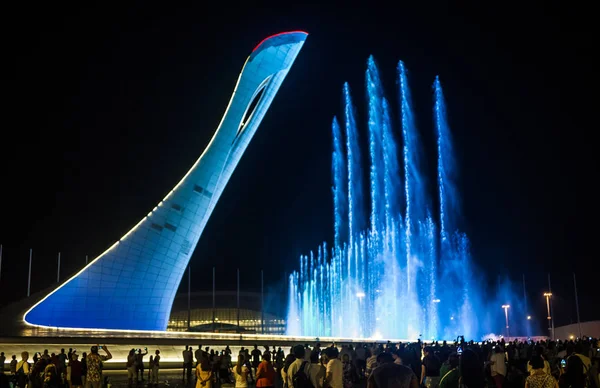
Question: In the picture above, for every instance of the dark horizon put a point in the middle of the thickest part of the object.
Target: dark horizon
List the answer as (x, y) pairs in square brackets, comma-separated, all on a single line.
[(109, 107)]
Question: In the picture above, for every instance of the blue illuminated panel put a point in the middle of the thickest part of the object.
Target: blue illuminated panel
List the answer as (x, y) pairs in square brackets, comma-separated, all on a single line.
[(132, 285)]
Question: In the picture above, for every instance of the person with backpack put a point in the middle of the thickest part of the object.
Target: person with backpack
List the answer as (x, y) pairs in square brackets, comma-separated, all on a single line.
[(289, 359), (449, 372), (23, 370), (299, 371)]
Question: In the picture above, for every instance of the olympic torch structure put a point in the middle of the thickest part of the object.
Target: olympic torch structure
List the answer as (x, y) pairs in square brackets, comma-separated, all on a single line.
[(132, 285)]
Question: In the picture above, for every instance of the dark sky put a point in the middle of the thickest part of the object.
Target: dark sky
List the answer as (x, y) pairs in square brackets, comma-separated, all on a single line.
[(105, 108)]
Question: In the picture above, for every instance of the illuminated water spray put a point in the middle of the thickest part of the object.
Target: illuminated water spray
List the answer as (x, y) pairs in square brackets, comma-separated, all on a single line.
[(402, 274)]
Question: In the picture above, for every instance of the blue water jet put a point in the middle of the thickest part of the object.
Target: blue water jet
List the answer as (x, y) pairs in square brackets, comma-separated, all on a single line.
[(402, 274), (339, 190)]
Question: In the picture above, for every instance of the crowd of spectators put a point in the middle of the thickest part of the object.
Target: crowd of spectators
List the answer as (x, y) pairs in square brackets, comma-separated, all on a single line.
[(459, 364)]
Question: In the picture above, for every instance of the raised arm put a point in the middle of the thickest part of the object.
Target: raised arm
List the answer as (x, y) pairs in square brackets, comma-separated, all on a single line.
[(108, 355)]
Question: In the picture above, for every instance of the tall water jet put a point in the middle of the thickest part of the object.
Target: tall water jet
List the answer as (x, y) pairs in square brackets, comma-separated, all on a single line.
[(375, 97), (454, 245), (354, 167), (339, 190), (414, 191), (391, 174), (446, 167)]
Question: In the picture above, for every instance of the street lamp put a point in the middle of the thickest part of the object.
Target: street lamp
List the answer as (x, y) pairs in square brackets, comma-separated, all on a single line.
[(548, 295), (506, 307), (529, 317)]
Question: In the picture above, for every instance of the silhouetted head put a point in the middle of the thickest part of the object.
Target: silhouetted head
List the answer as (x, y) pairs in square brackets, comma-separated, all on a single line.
[(314, 357), (575, 374), (385, 358), (537, 362), (453, 360), (331, 353), (299, 351), (471, 369)]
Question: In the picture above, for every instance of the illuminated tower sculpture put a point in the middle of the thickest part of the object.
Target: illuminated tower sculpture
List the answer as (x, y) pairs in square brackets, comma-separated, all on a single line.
[(131, 286)]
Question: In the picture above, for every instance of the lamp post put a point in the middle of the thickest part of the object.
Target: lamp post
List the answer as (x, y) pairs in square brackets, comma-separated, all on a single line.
[(548, 295), (506, 307)]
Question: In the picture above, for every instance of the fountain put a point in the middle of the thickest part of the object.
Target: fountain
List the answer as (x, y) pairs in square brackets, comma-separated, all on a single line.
[(395, 272)]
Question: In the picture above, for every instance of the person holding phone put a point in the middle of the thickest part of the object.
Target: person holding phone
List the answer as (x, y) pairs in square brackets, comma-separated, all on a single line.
[(139, 363), (94, 363)]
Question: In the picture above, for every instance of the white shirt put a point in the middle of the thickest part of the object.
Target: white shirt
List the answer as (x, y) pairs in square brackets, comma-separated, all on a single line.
[(293, 368), (240, 381), (317, 375), (498, 365), (333, 375)]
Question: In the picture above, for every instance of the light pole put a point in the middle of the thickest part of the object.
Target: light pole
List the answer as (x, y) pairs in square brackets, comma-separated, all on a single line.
[(548, 295), (506, 307)]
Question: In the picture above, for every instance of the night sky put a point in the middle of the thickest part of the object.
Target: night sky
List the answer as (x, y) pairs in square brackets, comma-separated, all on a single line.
[(106, 108)]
